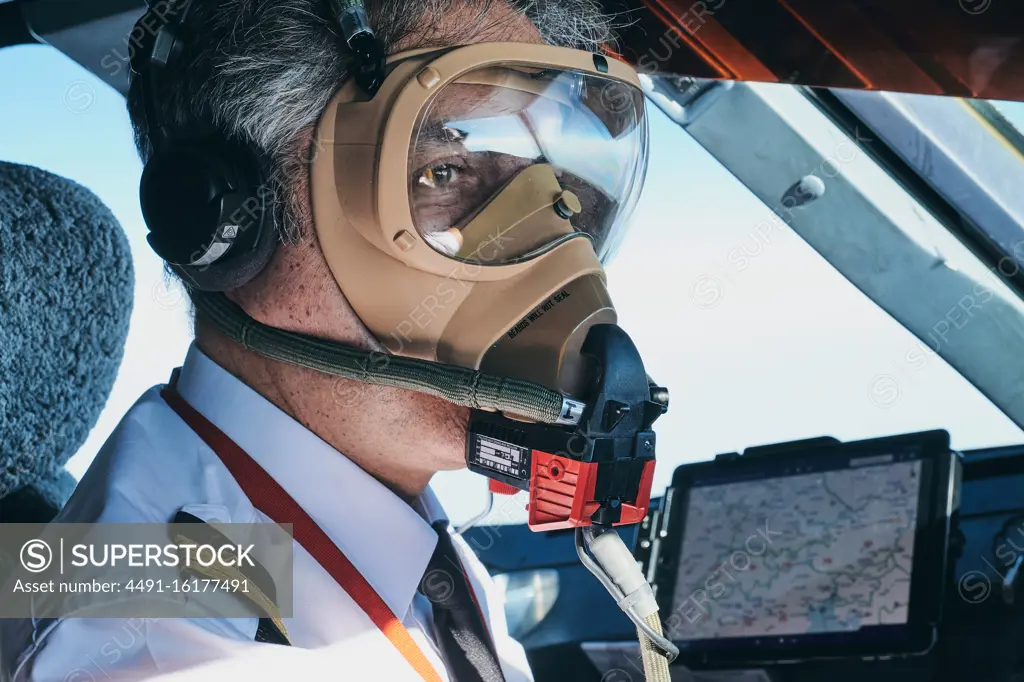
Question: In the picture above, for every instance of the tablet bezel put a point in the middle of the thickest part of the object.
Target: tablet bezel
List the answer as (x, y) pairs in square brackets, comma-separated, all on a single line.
[(929, 573)]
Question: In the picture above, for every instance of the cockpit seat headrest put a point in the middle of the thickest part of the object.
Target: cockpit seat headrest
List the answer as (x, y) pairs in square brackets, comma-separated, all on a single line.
[(66, 291)]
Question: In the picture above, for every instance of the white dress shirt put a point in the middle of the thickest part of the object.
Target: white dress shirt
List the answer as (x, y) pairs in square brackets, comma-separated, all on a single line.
[(154, 465)]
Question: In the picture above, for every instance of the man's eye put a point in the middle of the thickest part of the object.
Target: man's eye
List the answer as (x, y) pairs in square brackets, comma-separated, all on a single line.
[(439, 176)]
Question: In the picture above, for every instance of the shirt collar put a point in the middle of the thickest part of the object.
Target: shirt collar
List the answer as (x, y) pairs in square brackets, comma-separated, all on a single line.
[(388, 541)]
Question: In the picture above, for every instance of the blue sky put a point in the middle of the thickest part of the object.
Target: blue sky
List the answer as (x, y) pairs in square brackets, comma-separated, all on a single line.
[(789, 350)]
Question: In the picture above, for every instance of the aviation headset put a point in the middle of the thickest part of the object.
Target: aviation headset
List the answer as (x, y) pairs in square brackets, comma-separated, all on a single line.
[(205, 198)]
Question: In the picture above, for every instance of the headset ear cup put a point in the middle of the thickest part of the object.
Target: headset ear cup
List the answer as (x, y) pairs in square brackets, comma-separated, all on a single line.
[(238, 269), (179, 195), (207, 211)]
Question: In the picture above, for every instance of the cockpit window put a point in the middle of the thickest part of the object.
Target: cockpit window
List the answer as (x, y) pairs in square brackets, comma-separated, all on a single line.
[(760, 338)]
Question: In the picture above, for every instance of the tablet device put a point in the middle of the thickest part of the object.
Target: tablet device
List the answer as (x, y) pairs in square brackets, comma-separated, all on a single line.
[(810, 550)]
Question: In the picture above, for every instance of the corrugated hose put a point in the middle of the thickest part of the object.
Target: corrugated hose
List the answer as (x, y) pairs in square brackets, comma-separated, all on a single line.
[(455, 384)]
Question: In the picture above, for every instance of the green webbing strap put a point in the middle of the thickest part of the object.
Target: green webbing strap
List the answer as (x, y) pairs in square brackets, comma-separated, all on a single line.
[(455, 384)]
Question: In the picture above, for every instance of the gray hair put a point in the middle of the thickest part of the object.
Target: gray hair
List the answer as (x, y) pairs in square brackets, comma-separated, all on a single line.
[(261, 71)]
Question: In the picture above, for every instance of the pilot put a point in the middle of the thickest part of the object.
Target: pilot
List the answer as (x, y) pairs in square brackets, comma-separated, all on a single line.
[(451, 204)]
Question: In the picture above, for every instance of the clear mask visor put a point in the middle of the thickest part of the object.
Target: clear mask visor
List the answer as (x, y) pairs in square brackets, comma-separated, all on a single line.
[(508, 161)]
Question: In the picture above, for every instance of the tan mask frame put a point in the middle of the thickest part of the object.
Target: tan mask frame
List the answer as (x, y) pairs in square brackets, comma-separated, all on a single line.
[(584, 461), (419, 302)]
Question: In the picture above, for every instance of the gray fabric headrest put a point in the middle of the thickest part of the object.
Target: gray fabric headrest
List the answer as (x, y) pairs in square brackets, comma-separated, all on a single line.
[(66, 292)]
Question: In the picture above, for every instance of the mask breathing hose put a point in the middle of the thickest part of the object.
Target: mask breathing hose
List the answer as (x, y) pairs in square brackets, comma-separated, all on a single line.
[(455, 384), (607, 557)]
